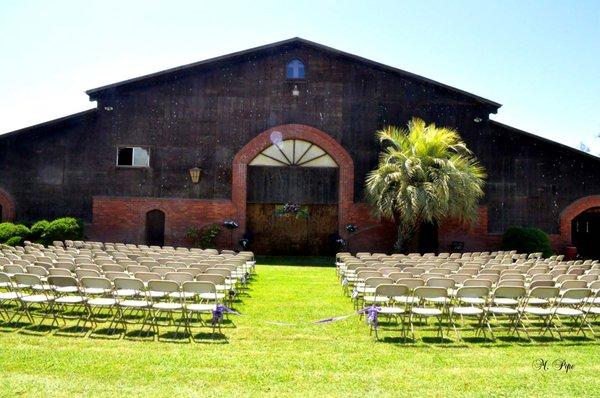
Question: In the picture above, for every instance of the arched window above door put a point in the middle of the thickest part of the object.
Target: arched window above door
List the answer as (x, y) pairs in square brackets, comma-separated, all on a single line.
[(294, 153)]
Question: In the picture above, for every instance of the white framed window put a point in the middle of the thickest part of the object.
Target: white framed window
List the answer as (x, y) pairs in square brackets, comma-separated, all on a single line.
[(133, 156)]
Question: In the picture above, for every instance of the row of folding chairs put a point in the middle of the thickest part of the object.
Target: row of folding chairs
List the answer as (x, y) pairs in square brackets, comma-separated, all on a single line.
[(121, 301), (512, 308)]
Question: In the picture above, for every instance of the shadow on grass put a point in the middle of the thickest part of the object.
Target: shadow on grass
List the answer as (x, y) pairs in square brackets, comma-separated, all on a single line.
[(311, 261), (107, 333)]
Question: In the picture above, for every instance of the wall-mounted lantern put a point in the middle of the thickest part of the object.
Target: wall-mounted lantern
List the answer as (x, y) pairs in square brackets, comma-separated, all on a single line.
[(195, 174), (295, 91)]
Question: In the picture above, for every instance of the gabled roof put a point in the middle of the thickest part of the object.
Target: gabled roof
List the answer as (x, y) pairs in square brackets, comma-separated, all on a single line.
[(515, 130), (93, 93), (56, 122)]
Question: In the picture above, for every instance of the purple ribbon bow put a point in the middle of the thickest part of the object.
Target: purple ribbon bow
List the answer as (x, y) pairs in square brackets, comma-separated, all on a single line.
[(217, 313), (372, 314)]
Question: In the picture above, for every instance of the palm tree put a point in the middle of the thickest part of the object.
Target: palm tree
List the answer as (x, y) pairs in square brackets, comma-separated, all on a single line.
[(426, 174)]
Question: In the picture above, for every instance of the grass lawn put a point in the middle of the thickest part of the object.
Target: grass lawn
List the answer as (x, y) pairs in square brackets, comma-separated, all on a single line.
[(259, 358)]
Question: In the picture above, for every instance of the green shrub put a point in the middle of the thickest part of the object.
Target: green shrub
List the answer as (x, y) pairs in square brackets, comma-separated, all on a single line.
[(66, 228), (15, 241), (9, 230), (204, 237), (38, 229), (527, 240)]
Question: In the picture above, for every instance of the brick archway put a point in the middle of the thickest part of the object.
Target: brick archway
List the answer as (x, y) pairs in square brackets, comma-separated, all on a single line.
[(8, 206), (293, 131), (572, 211)]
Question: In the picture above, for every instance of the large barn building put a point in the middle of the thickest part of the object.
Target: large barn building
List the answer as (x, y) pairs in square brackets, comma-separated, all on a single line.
[(293, 121)]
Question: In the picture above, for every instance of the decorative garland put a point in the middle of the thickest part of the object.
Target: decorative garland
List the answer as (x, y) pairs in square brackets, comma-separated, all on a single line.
[(291, 209)]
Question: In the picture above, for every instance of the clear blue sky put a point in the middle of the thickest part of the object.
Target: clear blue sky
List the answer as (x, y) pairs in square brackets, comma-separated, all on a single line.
[(540, 59)]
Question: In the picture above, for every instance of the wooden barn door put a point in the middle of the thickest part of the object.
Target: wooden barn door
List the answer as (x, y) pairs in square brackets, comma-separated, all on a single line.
[(155, 228), (288, 235), (315, 188)]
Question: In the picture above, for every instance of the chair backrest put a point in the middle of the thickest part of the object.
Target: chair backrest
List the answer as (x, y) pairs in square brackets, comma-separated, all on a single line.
[(573, 284), (566, 277), (112, 268), (513, 292), (424, 292), (27, 280), (391, 290), (376, 281), (179, 277), (162, 286), (473, 292), (220, 271), (129, 284), (147, 276), (446, 283), (414, 271), (541, 277), (83, 273), (543, 282), (113, 275), (214, 278), (511, 282), (62, 281), (576, 294), (14, 269), (59, 272), (96, 283), (199, 287), (40, 271), (162, 270), (411, 283), (65, 265), (132, 269), (478, 282), (544, 292)]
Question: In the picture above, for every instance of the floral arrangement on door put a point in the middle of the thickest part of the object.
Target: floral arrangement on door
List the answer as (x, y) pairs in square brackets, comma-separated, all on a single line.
[(291, 210)]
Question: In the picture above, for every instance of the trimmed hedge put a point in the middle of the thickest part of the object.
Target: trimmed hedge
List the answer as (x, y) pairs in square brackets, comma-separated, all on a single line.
[(38, 229), (9, 230), (66, 228), (15, 241), (527, 240)]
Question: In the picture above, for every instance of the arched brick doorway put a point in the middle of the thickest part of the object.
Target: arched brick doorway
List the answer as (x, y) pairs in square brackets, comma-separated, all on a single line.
[(7, 206), (580, 225), (155, 228), (290, 132)]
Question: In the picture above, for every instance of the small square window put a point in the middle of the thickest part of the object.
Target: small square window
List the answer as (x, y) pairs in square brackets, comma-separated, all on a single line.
[(133, 157)]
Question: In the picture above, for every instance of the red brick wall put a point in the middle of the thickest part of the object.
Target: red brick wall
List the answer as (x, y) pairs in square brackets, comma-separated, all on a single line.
[(124, 219)]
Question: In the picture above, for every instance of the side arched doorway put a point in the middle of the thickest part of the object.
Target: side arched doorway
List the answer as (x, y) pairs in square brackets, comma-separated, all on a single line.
[(7, 206), (580, 226), (585, 231), (155, 228)]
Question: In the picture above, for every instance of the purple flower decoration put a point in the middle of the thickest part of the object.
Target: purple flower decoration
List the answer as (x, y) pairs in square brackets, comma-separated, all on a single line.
[(217, 313), (372, 316)]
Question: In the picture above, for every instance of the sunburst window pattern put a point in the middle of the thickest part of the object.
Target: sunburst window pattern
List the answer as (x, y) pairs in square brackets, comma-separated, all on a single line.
[(294, 153)]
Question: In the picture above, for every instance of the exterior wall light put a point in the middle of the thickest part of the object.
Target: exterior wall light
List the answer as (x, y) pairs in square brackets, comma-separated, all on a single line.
[(478, 120), (295, 91), (195, 174)]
